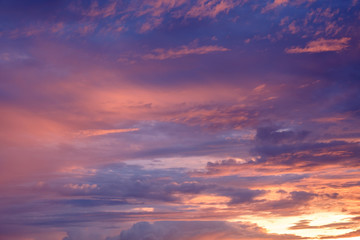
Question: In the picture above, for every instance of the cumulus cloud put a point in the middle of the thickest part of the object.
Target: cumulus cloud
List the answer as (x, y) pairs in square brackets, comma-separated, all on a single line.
[(198, 231), (322, 45)]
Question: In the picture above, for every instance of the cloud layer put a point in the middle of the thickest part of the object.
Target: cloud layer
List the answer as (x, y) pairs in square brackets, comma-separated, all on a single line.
[(189, 119)]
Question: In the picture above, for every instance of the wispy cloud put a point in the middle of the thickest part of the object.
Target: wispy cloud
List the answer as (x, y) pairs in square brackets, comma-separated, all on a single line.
[(322, 45), (162, 54), (212, 8), (97, 132), (155, 11), (11, 57), (96, 11), (274, 4)]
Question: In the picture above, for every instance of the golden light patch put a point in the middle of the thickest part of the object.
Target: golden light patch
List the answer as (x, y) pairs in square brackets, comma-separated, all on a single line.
[(318, 224)]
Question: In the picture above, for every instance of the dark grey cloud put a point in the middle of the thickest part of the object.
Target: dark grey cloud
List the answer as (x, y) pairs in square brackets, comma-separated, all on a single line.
[(239, 196), (85, 203), (277, 146), (235, 179), (279, 136), (118, 184), (294, 203)]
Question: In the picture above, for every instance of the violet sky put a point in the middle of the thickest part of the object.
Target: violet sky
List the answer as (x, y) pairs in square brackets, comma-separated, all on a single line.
[(179, 119)]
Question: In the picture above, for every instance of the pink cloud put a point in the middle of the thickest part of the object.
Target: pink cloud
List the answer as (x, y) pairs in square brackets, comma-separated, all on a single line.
[(89, 133), (156, 9), (150, 25), (274, 4), (211, 8), (162, 54), (293, 28), (87, 29), (96, 11), (322, 45)]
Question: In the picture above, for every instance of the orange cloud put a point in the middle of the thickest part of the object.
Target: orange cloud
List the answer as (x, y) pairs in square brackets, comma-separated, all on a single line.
[(322, 45), (97, 132), (350, 235)]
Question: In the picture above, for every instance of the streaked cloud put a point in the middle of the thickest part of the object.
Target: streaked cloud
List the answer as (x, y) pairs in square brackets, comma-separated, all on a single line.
[(322, 45), (274, 4), (97, 132), (96, 11), (211, 8), (162, 54), (8, 57)]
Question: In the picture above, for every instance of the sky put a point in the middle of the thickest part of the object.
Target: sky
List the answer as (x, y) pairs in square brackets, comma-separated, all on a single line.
[(179, 119)]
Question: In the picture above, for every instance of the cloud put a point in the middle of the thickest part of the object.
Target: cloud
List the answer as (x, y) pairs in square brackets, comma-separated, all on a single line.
[(239, 196), (211, 8), (96, 11), (322, 45), (155, 11), (11, 57), (224, 167), (309, 154), (279, 135), (283, 146), (71, 114), (156, 8), (98, 132), (162, 54), (192, 230), (305, 224), (87, 203), (352, 234), (274, 4), (296, 202), (119, 184)]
